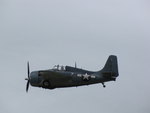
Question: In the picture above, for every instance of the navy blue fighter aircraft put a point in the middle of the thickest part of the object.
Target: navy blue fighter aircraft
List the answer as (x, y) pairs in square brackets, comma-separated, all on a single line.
[(67, 76)]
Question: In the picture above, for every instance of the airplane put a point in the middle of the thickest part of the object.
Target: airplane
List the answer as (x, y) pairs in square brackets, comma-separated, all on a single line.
[(67, 76)]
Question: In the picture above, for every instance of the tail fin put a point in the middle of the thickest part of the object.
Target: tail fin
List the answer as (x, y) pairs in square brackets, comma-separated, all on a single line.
[(111, 67)]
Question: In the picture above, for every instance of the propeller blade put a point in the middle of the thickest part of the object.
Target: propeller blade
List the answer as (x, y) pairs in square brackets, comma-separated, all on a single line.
[(28, 79), (27, 87), (28, 69)]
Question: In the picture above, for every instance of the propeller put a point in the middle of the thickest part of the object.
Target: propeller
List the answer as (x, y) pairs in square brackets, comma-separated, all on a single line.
[(28, 79)]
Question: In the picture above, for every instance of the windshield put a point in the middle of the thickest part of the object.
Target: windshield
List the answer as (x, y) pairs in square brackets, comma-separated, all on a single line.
[(59, 68)]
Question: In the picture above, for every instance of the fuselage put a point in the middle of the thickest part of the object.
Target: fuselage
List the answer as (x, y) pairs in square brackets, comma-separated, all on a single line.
[(69, 77)]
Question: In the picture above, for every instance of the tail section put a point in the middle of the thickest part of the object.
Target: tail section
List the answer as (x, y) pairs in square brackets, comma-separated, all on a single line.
[(110, 69)]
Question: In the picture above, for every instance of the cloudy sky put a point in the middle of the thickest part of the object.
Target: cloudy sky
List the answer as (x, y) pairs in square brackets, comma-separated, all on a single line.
[(49, 32)]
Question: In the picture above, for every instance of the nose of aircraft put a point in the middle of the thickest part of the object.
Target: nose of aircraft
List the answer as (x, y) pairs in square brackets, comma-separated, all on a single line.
[(34, 78)]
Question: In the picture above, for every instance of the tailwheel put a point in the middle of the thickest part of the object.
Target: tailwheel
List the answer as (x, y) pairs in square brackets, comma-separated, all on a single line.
[(103, 85)]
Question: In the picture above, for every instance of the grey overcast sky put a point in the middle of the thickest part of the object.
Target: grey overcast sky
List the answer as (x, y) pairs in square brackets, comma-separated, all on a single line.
[(49, 32)]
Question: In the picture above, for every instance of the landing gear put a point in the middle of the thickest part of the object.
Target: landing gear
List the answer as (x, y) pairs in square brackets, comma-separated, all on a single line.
[(46, 84), (103, 85)]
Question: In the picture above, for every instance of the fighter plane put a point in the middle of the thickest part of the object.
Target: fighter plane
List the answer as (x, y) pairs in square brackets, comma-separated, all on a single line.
[(67, 76)]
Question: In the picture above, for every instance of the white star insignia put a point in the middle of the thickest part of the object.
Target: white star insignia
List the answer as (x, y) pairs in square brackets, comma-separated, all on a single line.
[(86, 77)]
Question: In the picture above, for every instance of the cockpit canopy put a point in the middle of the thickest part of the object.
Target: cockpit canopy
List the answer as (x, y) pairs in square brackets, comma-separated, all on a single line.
[(59, 68)]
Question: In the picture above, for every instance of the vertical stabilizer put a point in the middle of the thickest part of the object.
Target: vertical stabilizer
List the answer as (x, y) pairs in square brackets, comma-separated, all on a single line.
[(111, 67)]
